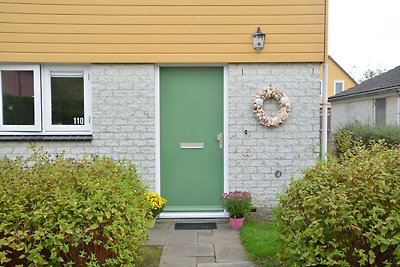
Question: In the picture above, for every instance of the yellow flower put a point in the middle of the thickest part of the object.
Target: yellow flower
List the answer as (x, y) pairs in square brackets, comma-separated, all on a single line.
[(157, 203)]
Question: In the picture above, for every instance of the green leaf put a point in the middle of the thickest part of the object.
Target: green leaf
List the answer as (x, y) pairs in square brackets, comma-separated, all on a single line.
[(371, 257)]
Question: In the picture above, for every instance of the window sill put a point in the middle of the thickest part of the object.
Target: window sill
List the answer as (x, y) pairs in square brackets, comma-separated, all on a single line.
[(35, 138)]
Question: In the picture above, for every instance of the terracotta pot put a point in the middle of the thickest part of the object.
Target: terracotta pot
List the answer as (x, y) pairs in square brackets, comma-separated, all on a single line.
[(236, 224)]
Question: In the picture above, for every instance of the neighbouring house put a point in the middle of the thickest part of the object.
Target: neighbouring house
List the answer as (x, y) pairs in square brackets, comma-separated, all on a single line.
[(375, 102), (338, 81), (169, 85)]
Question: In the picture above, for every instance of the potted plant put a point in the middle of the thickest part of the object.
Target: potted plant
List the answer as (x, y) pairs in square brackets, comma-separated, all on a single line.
[(237, 204), (157, 204)]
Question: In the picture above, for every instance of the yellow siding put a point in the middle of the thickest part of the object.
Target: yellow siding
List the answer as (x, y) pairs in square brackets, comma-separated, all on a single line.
[(161, 31), (335, 72)]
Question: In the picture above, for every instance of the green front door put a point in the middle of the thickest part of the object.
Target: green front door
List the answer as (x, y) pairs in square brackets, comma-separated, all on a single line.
[(191, 119)]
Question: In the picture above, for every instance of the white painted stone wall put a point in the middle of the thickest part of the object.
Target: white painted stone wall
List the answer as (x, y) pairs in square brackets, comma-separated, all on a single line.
[(362, 111), (344, 112), (124, 124), (289, 148), (391, 110)]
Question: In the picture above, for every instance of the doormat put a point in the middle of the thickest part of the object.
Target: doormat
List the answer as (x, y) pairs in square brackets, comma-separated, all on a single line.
[(195, 226)]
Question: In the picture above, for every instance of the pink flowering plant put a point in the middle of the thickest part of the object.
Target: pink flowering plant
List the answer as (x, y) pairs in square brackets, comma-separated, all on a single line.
[(237, 203)]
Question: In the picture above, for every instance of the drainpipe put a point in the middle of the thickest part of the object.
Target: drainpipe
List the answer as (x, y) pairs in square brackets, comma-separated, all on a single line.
[(324, 126)]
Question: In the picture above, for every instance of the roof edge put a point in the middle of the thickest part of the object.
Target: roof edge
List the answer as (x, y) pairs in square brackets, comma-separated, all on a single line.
[(372, 92), (340, 67)]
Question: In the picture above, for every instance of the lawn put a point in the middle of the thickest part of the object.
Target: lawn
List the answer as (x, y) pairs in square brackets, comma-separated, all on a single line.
[(151, 256), (261, 242)]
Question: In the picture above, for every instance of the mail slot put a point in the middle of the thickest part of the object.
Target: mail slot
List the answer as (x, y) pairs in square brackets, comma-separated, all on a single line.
[(191, 145)]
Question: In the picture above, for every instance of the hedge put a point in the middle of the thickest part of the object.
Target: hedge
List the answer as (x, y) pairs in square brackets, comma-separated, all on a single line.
[(71, 212), (344, 213)]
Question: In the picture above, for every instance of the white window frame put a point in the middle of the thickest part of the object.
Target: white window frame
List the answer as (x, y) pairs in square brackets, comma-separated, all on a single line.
[(47, 70), (334, 86), (37, 99)]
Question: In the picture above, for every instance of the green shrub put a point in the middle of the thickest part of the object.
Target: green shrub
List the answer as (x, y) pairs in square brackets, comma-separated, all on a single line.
[(344, 213), (348, 135), (68, 212)]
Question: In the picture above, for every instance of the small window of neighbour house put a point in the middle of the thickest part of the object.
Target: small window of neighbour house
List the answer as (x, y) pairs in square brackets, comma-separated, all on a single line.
[(339, 87), (59, 103), (20, 98)]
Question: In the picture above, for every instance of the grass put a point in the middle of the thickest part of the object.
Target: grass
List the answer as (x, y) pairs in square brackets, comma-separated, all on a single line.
[(151, 256), (261, 242)]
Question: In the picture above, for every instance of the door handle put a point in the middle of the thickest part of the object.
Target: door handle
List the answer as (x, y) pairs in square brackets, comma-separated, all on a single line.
[(220, 139)]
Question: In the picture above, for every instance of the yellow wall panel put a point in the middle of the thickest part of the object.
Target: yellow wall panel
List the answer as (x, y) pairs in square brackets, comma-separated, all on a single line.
[(161, 31)]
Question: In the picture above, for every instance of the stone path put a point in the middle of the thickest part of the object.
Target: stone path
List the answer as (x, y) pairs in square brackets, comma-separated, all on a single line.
[(198, 248)]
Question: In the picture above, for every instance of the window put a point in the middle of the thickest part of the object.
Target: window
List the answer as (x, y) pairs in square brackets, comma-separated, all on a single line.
[(339, 86), (60, 103), (66, 99), (20, 98), (380, 111)]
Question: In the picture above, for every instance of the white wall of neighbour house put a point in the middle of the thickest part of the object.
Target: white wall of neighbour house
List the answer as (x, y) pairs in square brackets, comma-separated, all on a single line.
[(289, 148), (391, 110), (124, 124), (344, 112), (362, 110)]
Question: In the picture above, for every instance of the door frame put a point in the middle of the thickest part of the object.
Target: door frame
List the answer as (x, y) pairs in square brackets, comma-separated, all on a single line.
[(158, 147)]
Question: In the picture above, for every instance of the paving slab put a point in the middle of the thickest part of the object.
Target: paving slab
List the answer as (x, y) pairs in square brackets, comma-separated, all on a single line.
[(230, 253), (183, 238), (178, 261), (188, 250)]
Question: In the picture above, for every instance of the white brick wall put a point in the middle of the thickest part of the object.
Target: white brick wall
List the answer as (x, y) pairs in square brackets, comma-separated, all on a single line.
[(391, 109), (124, 124), (289, 148)]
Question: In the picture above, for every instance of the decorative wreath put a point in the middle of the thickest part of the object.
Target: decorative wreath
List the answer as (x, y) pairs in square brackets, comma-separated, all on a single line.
[(284, 107)]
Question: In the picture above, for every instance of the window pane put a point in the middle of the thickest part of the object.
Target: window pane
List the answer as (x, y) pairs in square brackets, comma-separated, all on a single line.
[(67, 101), (338, 88), (380, 111), (18, 97)]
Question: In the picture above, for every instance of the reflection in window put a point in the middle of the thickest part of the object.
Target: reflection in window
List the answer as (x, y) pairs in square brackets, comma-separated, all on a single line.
[(339, 87), (18, 97), (67, 99)]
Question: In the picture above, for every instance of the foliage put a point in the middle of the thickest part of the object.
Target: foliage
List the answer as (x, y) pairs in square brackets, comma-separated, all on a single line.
[(261, 242), (371, 73), (69, 212), (237, 203), (345, 213), (157, 203), (348, 135)]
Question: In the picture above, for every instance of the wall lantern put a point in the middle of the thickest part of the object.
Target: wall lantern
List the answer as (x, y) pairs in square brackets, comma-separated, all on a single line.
[(258, 40)]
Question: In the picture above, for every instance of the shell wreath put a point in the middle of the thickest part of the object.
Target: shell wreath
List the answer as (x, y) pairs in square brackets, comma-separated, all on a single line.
[(284, 107)]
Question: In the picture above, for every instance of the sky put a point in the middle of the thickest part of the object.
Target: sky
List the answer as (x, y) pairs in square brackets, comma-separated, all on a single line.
[(364, 34)]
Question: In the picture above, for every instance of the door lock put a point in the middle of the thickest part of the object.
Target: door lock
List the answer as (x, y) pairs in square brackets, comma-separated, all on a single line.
[(220, 139)]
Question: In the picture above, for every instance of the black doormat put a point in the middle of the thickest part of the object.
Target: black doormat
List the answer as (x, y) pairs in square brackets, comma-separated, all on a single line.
[(195, 226)]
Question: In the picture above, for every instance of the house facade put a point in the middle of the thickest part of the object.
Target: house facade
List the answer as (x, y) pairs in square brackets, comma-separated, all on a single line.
[(375, 102), (169, 86)]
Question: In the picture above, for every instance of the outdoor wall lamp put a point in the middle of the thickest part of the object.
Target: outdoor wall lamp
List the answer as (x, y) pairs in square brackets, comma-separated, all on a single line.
[(258, 40)]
